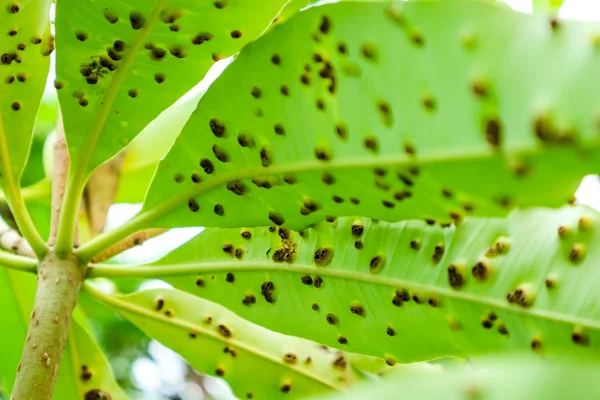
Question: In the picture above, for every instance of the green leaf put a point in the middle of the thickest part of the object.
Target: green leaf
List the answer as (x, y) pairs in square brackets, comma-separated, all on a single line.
[(547, 5), (146, 150), (407, 291), (515, 378), (430, 110), (17, 292), (254, 361), (24, 61), (120, 65), (84, 370)]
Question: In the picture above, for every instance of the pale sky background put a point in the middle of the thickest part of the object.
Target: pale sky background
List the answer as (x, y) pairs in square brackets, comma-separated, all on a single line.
[(163, 373)]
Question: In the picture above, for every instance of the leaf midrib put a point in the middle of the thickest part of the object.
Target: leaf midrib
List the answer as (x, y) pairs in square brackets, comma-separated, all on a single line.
[(146, 217), (251, 266), (115, 84), (120, 303)]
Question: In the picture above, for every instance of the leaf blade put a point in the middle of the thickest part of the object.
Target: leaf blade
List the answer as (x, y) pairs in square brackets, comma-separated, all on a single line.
[(298, 168), (408, 291), (226, 345)]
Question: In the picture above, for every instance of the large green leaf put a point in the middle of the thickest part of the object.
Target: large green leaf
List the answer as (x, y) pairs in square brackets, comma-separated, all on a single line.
[(407, 291), (500, 378), (432, 110), (256, 363), (121, 63), (83, 370), (25, 46)]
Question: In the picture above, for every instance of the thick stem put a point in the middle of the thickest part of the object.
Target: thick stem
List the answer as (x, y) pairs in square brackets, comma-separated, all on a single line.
[(59, 281)]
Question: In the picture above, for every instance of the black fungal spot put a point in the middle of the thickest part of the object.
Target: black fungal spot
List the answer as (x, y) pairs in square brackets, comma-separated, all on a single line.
[(178, 178), (230, 277), (415, 244), (502, 330), (22, 77), (318, 281), (487, 324), (207, 166), (323, 154), (15, 106), (315, 306), (137, 20), (342, 340), (220, 371), (97, 394), (520, 297), (159, 78), (493, 132), (236, 34), (285, 388), (577, 253), (357, 309), (357, 228), (580, 338), (220, 153), (358, 244), (307, 280), (81, 36), (238, 187), (219, 210), (159, 303), (429, 103), (21, 46), (331, 319), (224, 331), (455, 277), (177, 51), (481, 271), (268, 291), (217, 127), (276, 59), (196, 178), (133, 93), (201, 38), (111, 16), (536, 344), (325, 25), (438, 253), (200, 282), (370, 144), (228, 248), (550, 283), (157, 54), (376, 264), (245, 140), (290, 358), (401, 195), (266, 156), (249, 299), (390, 331), (276, 218), (323, 256), (388, 204), (193, 205)]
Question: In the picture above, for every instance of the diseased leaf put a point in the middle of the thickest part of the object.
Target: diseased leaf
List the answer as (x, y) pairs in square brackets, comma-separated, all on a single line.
[(428, 110), (499, 378), (25, 46), (408, 291), (121, 64), (84, 370), (256, 363), (17, 292)]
